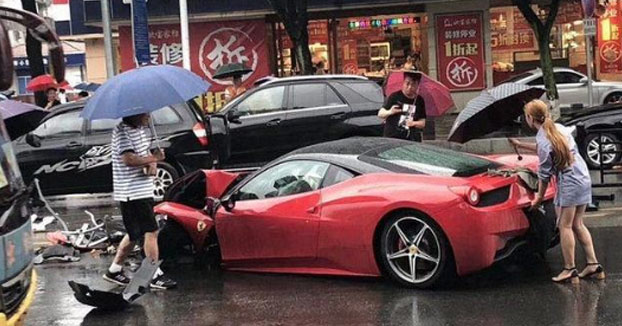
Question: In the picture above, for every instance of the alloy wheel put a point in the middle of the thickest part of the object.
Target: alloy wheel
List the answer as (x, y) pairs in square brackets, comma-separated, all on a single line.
[(162, 180), (594, 154), (413, 250)]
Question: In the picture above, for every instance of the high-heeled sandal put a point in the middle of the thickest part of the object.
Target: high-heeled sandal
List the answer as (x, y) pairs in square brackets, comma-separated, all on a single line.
[(598, 273), (572, 278)]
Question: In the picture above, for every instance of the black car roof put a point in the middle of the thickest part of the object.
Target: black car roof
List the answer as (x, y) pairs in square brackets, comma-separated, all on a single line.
[(593, 112), (350, 146)]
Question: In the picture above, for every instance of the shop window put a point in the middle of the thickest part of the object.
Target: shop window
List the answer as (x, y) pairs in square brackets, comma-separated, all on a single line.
[(22, 82)]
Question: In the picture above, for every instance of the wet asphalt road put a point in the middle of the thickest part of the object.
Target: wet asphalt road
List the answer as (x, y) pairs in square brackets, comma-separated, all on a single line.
[(513, 292)]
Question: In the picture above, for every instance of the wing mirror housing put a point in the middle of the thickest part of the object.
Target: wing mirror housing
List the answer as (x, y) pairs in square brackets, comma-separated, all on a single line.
[(233, 116), (583, 80), (211, 206), (33, 140), (228, 203)]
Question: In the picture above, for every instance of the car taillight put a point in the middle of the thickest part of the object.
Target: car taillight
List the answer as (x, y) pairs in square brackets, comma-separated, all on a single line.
[(470, 194), (200, 133), (473, 196)]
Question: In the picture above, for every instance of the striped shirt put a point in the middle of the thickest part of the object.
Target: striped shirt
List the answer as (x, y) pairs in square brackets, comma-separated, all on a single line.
[(130, 183)]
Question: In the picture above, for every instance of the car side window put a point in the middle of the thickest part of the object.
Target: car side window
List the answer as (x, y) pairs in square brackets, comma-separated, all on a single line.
[(263, 101), (567, 78), (537, 81), (165, 116), (62, 125), (332, 98), (308, 95), (285, 179), (102, 125), (336, 175)]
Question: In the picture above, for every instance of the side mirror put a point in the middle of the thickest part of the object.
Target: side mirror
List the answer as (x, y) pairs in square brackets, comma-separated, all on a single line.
[(233, 116), (211, 206), (583, 81), (229, 203), (33, 140)]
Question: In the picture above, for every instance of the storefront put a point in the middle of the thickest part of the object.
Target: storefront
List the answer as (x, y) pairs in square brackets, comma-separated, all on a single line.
[(367, 46), (609, 53), (515, 48)]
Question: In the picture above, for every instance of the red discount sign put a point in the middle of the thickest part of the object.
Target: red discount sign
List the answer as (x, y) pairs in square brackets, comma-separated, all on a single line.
[(610, 39), (460, 51)]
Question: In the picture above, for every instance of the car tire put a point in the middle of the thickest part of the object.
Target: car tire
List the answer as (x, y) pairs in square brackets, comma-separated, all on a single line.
[(591, 147), (172, 240), (613, 98), (164, 178), (429, 249)]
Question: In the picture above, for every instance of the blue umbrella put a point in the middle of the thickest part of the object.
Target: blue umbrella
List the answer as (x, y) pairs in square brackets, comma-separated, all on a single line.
[(143, 90), (89, 87)]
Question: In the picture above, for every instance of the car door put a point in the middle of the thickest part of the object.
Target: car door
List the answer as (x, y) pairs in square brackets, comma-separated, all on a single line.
[(276, 215), (315, 114), (572, 88), (57, 161), (98, 154), (257, 136)]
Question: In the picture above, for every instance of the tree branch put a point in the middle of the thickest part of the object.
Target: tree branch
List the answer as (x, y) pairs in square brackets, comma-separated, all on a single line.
[(525, 8), (550, 20)]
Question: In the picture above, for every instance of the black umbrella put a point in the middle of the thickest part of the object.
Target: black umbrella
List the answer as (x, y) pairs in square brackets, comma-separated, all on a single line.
[(89, 87), (493, 109), (20, 118), (231, 70)]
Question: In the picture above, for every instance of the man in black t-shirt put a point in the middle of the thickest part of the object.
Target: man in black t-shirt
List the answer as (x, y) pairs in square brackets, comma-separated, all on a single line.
[(403, 112)]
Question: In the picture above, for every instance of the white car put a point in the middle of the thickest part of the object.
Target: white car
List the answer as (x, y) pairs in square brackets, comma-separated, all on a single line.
[(572, 87)]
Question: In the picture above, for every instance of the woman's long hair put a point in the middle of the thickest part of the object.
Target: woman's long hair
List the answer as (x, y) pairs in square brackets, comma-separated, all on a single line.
[(539, 111)]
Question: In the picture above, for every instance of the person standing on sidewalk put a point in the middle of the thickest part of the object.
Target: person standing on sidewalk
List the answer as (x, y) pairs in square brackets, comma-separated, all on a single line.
[(559, 156), (133, 168), (400, 122)]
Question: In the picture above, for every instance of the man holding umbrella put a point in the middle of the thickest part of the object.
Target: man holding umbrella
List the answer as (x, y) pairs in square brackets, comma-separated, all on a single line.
[(132, 96), (133, 168), (403, 111)]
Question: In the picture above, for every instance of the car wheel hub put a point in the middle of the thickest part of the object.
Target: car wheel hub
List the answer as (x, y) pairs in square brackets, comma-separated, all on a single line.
[(593, 150), (162, 180), (413, 250)]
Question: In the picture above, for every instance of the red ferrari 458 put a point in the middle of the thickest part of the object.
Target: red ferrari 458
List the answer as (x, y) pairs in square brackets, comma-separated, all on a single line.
[(413, 213)]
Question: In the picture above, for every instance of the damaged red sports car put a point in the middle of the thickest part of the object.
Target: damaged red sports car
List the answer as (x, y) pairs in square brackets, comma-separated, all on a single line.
[(413, 213)]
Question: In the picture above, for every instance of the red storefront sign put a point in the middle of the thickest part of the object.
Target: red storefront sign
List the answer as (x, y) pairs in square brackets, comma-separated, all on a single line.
[(460, 51), (211, 46), (610, 40), (506, 36)]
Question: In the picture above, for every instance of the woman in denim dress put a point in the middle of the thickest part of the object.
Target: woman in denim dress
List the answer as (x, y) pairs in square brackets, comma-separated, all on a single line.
[(559, 157)]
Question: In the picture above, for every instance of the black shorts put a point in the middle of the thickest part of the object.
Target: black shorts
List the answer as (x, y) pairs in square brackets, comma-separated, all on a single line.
[(138, 218)]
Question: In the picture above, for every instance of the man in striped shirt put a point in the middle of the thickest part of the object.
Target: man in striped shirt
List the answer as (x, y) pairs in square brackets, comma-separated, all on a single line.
[(133, 168)]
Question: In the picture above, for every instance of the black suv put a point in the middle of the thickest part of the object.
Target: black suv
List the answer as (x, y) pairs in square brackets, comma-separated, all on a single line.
[(289, 113), (69, 154), (606, 118)]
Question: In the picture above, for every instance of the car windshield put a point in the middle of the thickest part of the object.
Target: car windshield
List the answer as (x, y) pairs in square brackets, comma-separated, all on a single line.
[(517, 77), (430, 160)]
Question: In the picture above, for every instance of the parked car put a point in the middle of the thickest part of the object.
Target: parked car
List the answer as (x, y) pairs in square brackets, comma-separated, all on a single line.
[(605, 117), (71, 155), (572, 87), (414, 213), (288, 113)]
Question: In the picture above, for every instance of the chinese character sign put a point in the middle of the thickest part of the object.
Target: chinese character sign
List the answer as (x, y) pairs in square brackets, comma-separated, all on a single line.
[(460, 51), (609, 39), (212, 45)]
